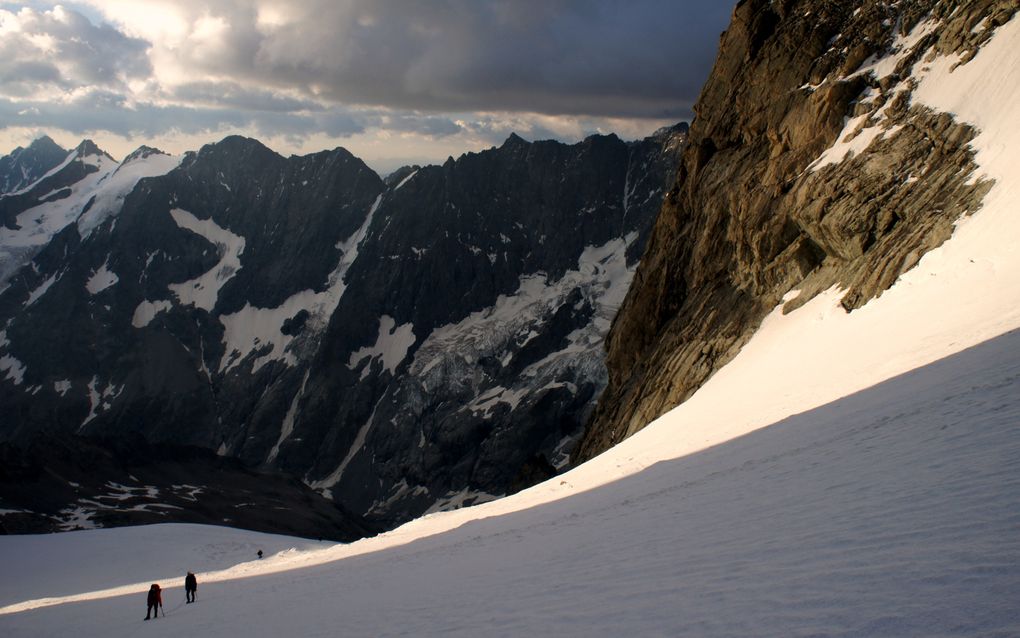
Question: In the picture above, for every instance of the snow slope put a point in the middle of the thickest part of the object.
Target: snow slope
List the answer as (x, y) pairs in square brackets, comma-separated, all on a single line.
[(103, 558), (845, 475), (890, 512)]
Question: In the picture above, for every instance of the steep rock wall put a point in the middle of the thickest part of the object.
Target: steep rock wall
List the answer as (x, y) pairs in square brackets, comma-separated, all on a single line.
[(807, 167)]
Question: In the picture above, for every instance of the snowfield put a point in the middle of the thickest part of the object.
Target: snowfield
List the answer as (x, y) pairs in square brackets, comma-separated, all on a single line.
[(892, 512), (845, 475)]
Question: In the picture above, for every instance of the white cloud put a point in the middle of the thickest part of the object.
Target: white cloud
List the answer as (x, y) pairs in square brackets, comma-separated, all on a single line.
[(47, 51)]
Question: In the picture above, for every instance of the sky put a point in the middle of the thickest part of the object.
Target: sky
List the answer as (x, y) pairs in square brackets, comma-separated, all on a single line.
[(393, 82)]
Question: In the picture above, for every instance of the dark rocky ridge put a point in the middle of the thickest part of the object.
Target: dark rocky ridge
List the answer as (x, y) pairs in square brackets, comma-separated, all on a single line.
[(750, 218)]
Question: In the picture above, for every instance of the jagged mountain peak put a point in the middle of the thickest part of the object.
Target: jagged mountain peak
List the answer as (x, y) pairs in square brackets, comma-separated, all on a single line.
[(235, 148), (140, 153), (680, 128), (398, 176), (45, 143), (41, 144), (515, 141), (89, 148), (25, 165)]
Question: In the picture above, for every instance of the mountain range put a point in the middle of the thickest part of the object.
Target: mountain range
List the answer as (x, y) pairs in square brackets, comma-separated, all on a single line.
[(404, 344)]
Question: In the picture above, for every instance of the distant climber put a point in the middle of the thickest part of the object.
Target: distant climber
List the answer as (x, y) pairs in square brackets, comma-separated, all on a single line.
[(154, 602), (190, 587), (260, 553)]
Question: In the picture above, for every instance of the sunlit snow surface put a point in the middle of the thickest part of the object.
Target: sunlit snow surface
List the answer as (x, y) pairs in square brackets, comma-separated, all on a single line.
[(845, 475)]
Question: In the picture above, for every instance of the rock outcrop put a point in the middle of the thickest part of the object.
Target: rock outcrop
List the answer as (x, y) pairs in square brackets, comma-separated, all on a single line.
[(807, 167)]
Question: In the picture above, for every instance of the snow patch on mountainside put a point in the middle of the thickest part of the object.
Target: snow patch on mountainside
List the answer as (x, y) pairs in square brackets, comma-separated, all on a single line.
[(109, 199), (147, 311), (203, 291), (324, 485), (287, 427), (405, 180), (884, 65), (99, 401), (260, 330), (391, 345), (484, 403), (854, 139), (101, 279), (41, 289), (13, 369), (985, 92)]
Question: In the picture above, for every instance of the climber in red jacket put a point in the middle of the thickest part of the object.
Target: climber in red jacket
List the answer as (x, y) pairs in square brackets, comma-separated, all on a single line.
[(154, 601)]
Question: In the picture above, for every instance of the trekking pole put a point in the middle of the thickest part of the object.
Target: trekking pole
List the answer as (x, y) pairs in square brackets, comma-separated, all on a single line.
[(161, 609)]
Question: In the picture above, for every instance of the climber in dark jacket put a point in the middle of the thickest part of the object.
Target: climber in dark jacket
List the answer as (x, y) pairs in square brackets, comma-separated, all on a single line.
[(190, 587), (154, 601)]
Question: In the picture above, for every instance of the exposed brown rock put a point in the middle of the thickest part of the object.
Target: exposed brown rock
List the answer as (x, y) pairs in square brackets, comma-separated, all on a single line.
[(753, 215)]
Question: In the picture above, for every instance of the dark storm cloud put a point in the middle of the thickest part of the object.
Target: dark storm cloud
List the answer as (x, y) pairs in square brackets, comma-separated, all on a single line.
[(642, 58), (636, 58), (62, 48)]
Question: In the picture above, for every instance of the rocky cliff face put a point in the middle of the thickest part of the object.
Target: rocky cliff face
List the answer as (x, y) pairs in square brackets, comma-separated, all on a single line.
[(400, 345), (807, 167)]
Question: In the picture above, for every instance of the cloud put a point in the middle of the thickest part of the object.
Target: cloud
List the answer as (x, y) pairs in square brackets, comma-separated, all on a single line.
[(103, 110), (62, 49), (23, 77), (234, 95), (642, 58)]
